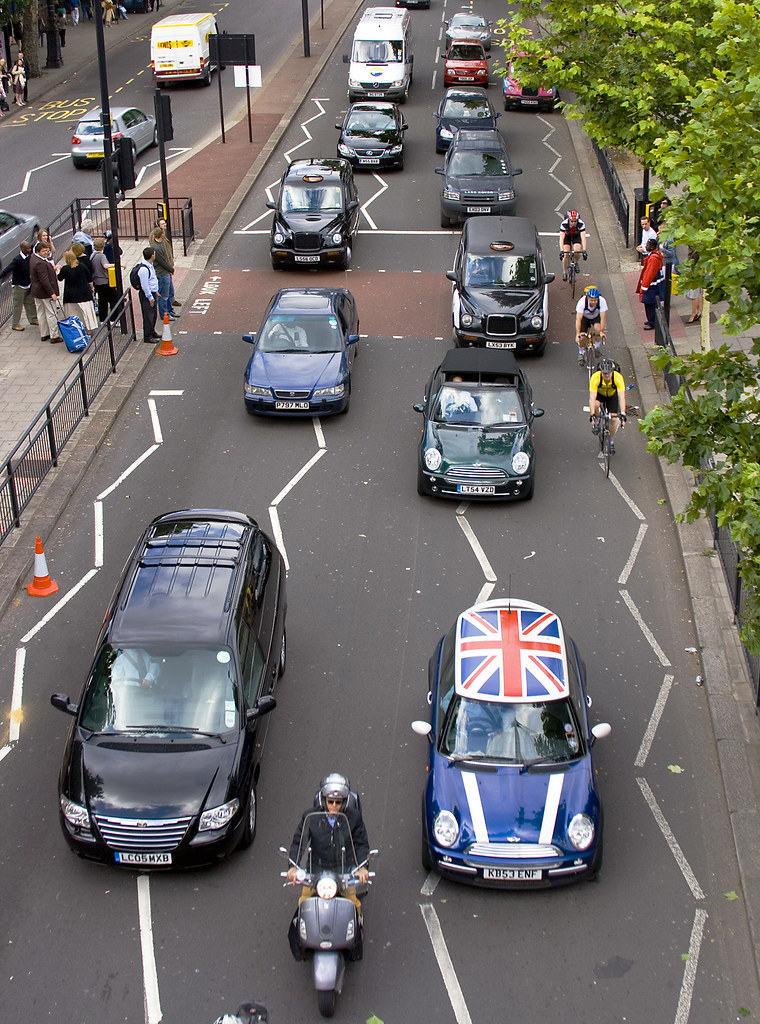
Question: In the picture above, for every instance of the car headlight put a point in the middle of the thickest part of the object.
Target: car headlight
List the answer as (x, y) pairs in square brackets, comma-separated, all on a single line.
[(336, 238), (433, 459), (252, 389), (537, 322), (218, 817), (393, 150), (76, 815), (398, 83), (520, 463), (580, 832), (450, 193), (353, 83), (345, 150), (445, 828), (446, 133), (466, 320), (508, 193), (278, 238), (338, 389)]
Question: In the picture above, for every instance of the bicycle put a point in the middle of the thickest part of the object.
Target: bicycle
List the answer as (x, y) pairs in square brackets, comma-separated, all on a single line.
[(591, 343), (602, 428), (573, 269)]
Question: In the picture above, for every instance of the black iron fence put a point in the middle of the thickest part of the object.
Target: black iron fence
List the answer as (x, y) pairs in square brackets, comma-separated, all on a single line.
[(615, 188), (136, 219), (38, 451), (729, 554)]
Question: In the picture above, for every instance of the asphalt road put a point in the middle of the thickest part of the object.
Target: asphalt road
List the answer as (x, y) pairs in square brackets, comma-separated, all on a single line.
[(376, 574)]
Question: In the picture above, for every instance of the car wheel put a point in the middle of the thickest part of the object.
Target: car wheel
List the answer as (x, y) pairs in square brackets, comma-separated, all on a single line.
[(154, 140), (277, 265), (427, 863), (133, 147), (596, 867), (527, 495), (344, 410), (249, 829), (283, 656), (445, 221), (207, 78), (78, 163), (400, 165), (346, 259), (421, 488)]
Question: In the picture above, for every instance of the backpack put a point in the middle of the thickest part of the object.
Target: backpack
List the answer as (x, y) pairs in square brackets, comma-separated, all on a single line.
[(134, 280)]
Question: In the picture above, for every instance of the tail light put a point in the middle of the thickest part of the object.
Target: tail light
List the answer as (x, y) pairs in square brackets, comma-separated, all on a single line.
[(75, 140)]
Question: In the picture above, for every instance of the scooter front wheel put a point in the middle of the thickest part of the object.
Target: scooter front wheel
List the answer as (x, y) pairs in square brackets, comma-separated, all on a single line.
[(326, 1001)]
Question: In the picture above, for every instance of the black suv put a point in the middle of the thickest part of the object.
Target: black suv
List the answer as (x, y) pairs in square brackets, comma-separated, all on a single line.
[(477, 177), (500, 297), (372, 135), (316, 215), (162, 761)]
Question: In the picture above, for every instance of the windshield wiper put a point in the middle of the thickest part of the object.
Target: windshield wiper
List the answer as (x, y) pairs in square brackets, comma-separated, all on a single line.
[(536, 761), (171, 728)]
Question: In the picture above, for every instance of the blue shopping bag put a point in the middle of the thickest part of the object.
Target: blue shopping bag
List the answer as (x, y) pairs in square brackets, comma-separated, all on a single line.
[(73, 333)]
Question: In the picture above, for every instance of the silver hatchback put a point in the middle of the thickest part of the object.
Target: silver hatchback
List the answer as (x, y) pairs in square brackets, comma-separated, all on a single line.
[(126, 122)]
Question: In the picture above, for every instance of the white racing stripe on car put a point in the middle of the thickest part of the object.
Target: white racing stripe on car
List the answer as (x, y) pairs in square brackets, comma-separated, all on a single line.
[(553, 794), (478, 819)]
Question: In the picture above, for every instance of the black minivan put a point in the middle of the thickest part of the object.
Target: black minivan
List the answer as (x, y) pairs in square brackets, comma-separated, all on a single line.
[(161, 764), (316, 215)]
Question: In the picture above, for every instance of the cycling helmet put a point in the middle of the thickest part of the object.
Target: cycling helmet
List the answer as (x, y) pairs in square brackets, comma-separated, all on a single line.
[(573, 215), (252, 1013), (606, 366), (227, 1018), (335, 786), (593, 293)]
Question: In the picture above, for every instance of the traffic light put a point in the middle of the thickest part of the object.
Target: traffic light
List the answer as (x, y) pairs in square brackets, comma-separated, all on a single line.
[(115, 172), (164, 116), (126, 161)]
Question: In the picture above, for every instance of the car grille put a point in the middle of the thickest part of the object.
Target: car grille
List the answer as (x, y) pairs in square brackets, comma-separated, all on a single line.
[(501, 326), (514, 851), (479, 197), (374, 86), (370, 152), (530, 92), (306, 240), (482, 474), (295, 395), (143, 833)]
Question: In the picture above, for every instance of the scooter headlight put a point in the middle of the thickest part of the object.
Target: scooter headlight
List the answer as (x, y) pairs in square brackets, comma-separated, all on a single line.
[(326, 888)]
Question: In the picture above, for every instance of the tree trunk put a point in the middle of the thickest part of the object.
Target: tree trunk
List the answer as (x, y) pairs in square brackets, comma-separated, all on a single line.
[(31, 38)]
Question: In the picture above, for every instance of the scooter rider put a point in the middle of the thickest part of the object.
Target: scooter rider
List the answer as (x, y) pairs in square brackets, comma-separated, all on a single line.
[(327, 834), (247, 1013)]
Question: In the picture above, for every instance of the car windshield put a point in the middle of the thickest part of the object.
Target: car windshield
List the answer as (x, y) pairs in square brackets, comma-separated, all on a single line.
[(517, 271), (311, 199), (370, 121), (470, 109), (326, 844), (544, 731), (300, 334), (465, 51), (378, 51), (468, 163), (158, 689), (475, 406), (464, 21)]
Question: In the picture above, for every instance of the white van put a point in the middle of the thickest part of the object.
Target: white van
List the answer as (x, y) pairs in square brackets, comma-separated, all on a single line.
[(179, 49), (380, 64)]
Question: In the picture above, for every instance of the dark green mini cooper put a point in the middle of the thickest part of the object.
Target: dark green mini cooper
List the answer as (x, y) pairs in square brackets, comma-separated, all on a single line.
[(477, 434)]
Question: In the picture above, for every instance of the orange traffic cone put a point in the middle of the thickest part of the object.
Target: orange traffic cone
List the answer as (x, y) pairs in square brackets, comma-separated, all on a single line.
[(41, 585), (166, 348)]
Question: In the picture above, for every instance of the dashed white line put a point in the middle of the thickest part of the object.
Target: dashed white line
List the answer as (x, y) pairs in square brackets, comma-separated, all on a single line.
[(623, 577), (153, 1014), (450, 980), (670, 839), (654, 721), (663, 659), (18, 689), (690, 967), (58, 606), (480, 554)]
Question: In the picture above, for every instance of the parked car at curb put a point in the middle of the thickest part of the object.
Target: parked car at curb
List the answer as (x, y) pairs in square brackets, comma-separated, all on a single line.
[(126, 122)]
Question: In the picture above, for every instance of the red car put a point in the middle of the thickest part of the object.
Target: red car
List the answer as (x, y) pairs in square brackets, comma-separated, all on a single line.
[(466, 63)]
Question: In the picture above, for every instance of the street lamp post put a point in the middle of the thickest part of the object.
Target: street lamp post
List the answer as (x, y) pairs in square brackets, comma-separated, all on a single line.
[(105, 109), (54, 55)]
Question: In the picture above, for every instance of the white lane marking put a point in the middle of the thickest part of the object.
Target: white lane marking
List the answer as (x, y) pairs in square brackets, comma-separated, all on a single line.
[(430, 884), (319, 432), (177, 393), (18, 690), (623, 577), (477, 817), (450, 980), (99, 535), (28, 177), (307, 133), (153, 1014), (485, 592), (654, 721), (274, 519), (5, 751), (383, 188), (480, 554), (127, 472), (553, 794), (663, 659), (627, 498), (157, 435), (299, 476), (671, 840), (690, 967), (274, 516), (57, 607)]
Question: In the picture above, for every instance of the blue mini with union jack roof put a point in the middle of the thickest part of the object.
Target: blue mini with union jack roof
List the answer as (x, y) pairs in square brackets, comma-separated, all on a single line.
[(511, 799)]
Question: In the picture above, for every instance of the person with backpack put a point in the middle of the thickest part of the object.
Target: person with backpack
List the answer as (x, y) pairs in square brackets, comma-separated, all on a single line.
[(607, 388), (143, 279), (590, 318)]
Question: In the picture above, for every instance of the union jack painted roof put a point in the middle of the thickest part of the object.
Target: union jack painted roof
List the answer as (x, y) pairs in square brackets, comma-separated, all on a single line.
[(510, 651)]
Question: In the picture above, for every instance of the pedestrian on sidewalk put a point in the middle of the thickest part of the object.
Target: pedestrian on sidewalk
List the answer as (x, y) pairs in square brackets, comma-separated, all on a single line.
[(108, 10), (74, 4), (647, 232), (148, 293), (21, 286), (18, 78), (44, 288), (104, 292), (164, 267), (5, 86), (78, 291), (651, 282), (160, 225)]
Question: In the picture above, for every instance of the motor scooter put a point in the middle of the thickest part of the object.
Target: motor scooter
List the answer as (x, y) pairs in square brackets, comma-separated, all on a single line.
[(326, 925)]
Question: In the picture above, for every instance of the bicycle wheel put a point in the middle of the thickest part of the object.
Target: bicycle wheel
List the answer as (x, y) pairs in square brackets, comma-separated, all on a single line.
[(572, 273), (604, 443)]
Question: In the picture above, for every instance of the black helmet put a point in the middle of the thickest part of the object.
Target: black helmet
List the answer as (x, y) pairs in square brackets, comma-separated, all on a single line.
[(606, 366), (336, 787), (252, 1013)]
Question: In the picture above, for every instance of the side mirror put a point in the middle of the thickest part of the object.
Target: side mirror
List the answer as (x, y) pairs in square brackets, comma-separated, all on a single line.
[(497, 115), (601, 731), (452, 276), (250, 338), (418, 407), (262, 706), (271, 204), (338, 122), (352, 339), (62, 703), (345, 58), (548, 278), (537, 412), (516, 171), (439, 170), (404, 126), (423, 729), (411, 58), (352, 205)]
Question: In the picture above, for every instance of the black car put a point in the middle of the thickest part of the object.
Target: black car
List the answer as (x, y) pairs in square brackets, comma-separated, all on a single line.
[(463, 107), (162, 761), (372, 135), (477, 177), (500, 297), (477, 434), (316, 215)]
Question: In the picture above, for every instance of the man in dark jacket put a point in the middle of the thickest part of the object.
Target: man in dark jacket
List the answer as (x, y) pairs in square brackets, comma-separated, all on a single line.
[(21, 288), (44, 289), (164, 267)]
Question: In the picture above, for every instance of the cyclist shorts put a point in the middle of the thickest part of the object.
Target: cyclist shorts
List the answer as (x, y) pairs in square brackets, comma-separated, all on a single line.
[(588, 325), (610, 402), (572, 239)]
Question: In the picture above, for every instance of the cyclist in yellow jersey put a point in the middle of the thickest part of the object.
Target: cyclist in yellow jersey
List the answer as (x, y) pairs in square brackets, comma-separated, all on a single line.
[(607, 389)]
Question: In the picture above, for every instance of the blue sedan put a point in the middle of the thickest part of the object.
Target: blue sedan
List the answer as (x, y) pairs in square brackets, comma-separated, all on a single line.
[(303, 354), (511, 799)]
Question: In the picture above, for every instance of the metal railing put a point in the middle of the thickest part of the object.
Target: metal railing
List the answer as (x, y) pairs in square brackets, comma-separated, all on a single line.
[(136, 219), (615, 188), (38, 451)]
